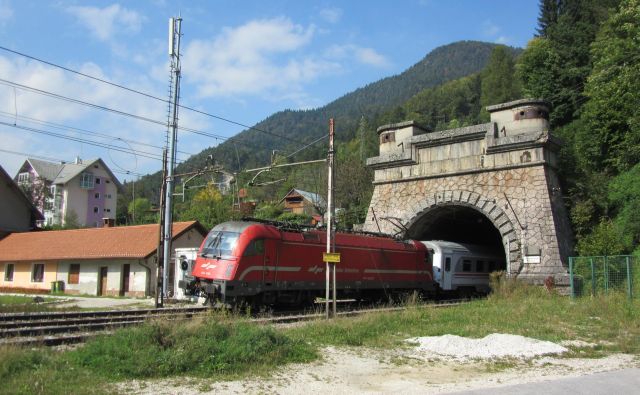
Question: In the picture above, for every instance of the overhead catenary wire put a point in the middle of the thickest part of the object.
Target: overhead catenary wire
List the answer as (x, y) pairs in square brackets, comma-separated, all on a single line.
[(144, 94)]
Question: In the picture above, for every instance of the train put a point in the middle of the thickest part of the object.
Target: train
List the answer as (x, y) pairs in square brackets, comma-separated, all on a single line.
[(261, 263), (463, 269)]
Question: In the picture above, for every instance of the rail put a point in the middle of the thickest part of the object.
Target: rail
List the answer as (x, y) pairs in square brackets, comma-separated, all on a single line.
[(57, 328)]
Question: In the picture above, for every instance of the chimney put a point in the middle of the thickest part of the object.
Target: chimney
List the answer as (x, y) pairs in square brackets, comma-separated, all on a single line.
[(78, 161), (108, 222)]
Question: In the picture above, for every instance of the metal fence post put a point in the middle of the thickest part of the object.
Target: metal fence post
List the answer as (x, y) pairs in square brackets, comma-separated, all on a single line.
[(628, 277), (593, 278), (573, 293), (606, 276)]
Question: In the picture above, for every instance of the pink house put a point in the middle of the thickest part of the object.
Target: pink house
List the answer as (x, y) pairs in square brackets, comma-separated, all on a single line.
[(84, 191)]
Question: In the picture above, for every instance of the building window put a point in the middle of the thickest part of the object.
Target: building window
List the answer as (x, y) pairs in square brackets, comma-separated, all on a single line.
[(24, 178), (96, 195), (87, 181), (95, 209), (8, 272), (108, 196), (108, 182), (107, 210), (74, 273), (97, 180), (37, 273)]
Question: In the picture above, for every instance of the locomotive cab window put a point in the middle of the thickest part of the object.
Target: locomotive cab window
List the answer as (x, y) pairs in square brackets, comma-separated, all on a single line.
[(256, 247), (447, 264), (219, 244)]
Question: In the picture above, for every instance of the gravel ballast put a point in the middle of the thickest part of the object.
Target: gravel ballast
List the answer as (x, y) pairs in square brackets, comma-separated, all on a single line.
[(493, 346)]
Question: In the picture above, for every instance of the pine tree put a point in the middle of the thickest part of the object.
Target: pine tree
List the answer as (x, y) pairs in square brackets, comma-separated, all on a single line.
[(499, 83), (548, 17)]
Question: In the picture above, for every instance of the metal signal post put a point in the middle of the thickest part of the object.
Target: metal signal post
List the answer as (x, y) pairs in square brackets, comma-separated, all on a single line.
[(330, 268)]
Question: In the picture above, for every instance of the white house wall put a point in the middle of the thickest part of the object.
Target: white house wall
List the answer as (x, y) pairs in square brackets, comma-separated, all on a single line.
[(89, 277)]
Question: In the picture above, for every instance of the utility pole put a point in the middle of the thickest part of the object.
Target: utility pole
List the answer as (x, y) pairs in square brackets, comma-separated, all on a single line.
[(175, 25), (330, 268)]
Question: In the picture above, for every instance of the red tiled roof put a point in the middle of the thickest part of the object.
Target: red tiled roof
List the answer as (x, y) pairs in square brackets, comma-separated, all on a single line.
[(135, 242)]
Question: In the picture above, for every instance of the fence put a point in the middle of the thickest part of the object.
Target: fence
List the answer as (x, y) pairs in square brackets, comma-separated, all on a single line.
[(592, 275)]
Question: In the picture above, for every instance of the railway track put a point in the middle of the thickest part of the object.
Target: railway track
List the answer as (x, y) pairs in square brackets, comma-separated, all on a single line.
[(56, 328)]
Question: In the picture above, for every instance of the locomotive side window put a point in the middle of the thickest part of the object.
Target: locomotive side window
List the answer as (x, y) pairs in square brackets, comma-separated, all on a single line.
[(447, 264), (256, 247), (428, 257), (480, 266), (466, 265)]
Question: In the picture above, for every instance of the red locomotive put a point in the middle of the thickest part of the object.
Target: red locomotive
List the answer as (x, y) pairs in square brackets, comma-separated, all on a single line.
[(263, 263)]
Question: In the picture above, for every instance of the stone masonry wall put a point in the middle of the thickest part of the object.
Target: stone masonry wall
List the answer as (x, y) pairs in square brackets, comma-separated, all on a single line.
[(526, 224)]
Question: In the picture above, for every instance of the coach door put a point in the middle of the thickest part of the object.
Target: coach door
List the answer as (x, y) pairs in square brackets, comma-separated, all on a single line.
[(270, 262), (447, 272)]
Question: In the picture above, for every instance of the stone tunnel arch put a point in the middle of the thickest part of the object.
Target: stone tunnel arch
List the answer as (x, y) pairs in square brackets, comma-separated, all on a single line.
[(466, 217)]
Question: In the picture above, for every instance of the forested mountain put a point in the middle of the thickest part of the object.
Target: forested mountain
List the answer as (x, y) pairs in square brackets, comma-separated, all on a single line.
[(441, 65), (371, 104)]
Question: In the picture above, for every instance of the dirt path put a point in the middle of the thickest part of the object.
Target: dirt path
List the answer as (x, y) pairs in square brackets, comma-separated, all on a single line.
[(366, 371)]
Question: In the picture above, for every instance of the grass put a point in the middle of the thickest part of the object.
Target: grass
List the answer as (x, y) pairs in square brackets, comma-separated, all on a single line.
[(223, 346), (23, 303)]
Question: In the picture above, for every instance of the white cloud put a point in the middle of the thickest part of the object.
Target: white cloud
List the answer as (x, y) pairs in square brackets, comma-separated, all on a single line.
[(261, 57), (492, 32), (105, 23), (40, 107), (331, 15), (363, 55), (6, 12)]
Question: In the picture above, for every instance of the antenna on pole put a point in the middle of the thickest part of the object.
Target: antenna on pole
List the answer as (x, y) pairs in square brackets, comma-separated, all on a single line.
[(175, 32)]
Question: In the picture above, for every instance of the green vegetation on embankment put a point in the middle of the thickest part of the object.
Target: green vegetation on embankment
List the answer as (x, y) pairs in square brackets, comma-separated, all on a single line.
[(222, 346)]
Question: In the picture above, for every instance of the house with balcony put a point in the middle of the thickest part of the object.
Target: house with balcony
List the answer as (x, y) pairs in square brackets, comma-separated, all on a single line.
[(82, 192)]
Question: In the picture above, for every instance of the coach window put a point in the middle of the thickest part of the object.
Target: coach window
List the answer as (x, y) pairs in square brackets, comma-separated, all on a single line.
[(256, 247), (447, 264), (466, 265), (480, 266)]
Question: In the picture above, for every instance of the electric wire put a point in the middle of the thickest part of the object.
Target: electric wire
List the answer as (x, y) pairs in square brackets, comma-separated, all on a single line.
[(123, 113), (51, 159), (144, 154), (83, 131)]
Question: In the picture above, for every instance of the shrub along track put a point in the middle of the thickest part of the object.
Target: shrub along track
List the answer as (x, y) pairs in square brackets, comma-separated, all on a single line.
[(56, 328)]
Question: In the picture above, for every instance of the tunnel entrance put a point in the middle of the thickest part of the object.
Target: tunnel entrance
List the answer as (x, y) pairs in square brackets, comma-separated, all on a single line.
[(458, 223)]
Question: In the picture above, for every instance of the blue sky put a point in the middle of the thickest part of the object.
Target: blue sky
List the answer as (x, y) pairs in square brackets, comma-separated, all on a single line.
[(241, 60)]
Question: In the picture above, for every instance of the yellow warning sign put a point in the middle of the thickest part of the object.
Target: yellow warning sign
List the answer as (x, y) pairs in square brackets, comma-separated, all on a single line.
[(333, 257)]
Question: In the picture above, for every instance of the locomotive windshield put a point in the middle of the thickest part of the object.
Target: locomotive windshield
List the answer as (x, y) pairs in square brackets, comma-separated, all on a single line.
[(219, 244)]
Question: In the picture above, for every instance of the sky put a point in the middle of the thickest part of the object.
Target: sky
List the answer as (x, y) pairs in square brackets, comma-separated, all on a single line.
[(240, 60)]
